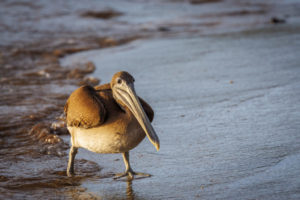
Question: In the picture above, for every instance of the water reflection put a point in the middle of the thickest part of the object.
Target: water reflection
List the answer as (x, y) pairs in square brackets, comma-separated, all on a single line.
[(101, 192), (129, 192)]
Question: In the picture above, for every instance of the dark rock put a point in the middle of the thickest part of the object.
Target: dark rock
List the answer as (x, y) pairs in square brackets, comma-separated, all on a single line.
[(276, 20), (164, 29), (203, 1), (106, 14)]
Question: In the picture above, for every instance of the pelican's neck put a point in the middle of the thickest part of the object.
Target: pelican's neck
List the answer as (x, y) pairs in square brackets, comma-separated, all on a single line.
[(122, 106)]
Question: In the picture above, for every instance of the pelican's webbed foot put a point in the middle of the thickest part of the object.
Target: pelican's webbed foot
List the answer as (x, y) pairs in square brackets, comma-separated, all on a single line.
[(131, 174)]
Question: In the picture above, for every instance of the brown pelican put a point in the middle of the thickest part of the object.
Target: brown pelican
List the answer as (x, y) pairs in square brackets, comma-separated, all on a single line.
[(109, 118)]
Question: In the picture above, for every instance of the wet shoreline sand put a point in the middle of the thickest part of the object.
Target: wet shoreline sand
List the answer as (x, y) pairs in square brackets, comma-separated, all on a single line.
[(226, 116), (35, 86)]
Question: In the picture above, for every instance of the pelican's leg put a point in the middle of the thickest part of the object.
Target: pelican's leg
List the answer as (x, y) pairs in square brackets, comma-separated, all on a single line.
[(72, 154), (129, 172)]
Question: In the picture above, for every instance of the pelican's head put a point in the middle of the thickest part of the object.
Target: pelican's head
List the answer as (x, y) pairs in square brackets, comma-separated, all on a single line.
[(123, 91)]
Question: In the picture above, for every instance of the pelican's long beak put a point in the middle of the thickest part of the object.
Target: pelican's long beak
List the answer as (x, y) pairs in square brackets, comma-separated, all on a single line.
[(127, 95)]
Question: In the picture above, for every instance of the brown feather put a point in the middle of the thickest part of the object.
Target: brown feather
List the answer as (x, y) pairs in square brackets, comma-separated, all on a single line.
[(84, 108), (89, 107)]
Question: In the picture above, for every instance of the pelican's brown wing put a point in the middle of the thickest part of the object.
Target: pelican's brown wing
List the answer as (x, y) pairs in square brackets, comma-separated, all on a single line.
[(84, 108)]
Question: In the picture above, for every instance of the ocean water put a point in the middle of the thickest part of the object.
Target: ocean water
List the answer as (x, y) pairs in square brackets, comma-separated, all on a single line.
[(226, 111)]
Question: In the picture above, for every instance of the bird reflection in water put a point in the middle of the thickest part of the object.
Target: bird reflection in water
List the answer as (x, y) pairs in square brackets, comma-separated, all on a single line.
[(129, 191)]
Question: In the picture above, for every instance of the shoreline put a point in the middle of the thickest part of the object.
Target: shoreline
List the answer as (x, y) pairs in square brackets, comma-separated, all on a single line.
[(35, 86), (225, 111)]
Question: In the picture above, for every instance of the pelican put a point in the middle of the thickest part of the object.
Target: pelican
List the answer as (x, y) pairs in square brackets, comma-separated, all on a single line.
[(109, 118)]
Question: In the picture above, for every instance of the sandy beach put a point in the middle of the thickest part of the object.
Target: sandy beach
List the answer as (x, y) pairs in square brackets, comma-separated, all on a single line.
[(221, 76)]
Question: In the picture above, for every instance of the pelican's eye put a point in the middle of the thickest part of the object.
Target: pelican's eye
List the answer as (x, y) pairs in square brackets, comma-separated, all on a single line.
[(119, 81)]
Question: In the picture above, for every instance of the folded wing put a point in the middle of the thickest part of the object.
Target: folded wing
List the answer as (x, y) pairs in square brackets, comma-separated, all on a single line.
[(84, 108)]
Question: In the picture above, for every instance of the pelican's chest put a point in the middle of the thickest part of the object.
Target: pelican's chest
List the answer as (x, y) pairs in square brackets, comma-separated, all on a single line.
[(112, 137)]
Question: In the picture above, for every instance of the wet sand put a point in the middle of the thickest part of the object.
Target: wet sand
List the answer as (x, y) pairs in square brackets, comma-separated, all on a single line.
[(226, 114), (222, 78)]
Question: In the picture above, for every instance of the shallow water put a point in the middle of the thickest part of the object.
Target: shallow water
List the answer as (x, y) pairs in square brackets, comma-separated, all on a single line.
[(225, 99), (227, 114)]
